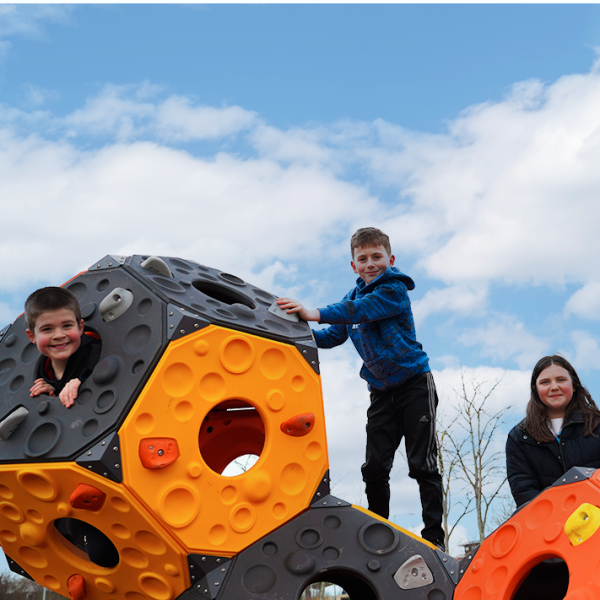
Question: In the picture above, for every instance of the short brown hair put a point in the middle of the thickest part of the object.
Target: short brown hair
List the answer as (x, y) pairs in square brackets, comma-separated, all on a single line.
[(50, 298), (368, 237)]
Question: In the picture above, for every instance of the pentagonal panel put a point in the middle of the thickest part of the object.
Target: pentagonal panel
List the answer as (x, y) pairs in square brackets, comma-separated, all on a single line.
[(131, 345), (264, 384)]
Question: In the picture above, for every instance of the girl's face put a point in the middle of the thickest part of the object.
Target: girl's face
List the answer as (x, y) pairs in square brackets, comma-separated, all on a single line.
[(555, 389)]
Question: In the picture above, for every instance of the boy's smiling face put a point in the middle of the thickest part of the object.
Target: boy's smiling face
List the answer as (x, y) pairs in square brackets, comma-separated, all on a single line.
[(57, 334), (370, 262)]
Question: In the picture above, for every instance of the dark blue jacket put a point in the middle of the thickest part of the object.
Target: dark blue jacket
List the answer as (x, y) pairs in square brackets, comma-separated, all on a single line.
[(532, 466), (379, 320)]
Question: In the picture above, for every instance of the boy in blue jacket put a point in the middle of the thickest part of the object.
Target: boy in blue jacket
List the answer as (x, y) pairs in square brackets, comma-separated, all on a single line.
[(377, 316)]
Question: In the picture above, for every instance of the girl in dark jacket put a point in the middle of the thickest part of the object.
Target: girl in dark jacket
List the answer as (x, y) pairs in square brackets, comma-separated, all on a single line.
[(561, 430)]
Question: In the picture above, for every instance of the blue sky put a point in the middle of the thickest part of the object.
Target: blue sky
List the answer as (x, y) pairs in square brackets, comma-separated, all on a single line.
[(257, 138)]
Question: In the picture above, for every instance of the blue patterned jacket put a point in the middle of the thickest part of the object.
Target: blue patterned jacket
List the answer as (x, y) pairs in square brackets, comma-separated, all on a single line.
[(379, 320)]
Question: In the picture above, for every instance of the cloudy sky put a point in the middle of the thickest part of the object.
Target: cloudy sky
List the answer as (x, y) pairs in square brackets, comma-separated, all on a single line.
[(256, 139)]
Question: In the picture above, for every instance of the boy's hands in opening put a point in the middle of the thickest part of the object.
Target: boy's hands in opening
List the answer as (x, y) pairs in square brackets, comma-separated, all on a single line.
[(41, 387), (294, 306), (69, 393)]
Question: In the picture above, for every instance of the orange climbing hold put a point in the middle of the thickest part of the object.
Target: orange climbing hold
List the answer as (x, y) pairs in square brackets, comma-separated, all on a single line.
[(87, 497), (299, 425), (158, 453), (76, 585)]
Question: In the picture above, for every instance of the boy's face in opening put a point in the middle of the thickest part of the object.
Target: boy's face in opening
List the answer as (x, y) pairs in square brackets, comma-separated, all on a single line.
[(57, 334), (370, 262)]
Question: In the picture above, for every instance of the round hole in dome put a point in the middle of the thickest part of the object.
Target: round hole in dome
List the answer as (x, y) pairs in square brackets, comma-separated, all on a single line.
[(549, 579), (222, 293)]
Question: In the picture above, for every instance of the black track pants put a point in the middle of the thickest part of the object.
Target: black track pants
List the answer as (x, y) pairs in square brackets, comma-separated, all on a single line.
[(406, 411)]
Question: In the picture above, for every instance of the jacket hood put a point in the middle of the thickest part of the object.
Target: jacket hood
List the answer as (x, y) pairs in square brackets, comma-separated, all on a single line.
[(390, 273)]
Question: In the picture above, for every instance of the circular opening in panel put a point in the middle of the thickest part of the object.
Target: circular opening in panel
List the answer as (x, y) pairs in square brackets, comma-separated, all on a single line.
[(240, 465), (340, 584), (222, 294), (232, 437), (87, 542), (549, 580)]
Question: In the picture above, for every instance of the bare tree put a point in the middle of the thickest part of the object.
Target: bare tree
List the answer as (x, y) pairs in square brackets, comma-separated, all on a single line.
[(15, 587), (503, 510), (470, 455), (448, 463)]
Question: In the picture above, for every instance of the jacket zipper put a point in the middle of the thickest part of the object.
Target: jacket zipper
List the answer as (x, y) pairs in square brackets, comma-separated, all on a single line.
[(562, 458), (560, 445)]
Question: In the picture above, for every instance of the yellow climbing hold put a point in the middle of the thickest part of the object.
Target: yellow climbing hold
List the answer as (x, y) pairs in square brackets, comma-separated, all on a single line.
[(583, 523)]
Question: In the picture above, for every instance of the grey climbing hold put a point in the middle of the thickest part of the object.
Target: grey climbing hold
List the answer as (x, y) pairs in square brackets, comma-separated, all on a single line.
[(157, 265), (413, 573), (115, 304), (274, 308), (12, 421)]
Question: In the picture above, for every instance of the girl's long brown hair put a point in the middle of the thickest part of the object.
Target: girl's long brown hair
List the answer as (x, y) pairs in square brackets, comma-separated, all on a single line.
[(535, 423)]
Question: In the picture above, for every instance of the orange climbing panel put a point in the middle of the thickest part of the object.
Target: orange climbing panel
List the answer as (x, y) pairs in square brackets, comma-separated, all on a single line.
[(553, 525), (222, 395), (33, 496)]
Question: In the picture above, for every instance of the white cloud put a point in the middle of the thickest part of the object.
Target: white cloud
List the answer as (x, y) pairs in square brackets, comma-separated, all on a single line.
[(178, 120), (464, 300), (585, 302), (132, 111), (512, 388), (493, 198), (238, 215), (586, 350), (7, 314), (346, 401), (506, 338), (27, 21), (509, 192), (297, 145), (114, 111), (458, 538), (37, 96)]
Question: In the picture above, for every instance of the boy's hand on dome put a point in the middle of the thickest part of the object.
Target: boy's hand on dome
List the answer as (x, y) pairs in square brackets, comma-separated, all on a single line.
[(69, 393), (40, 386), (294, 306)]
